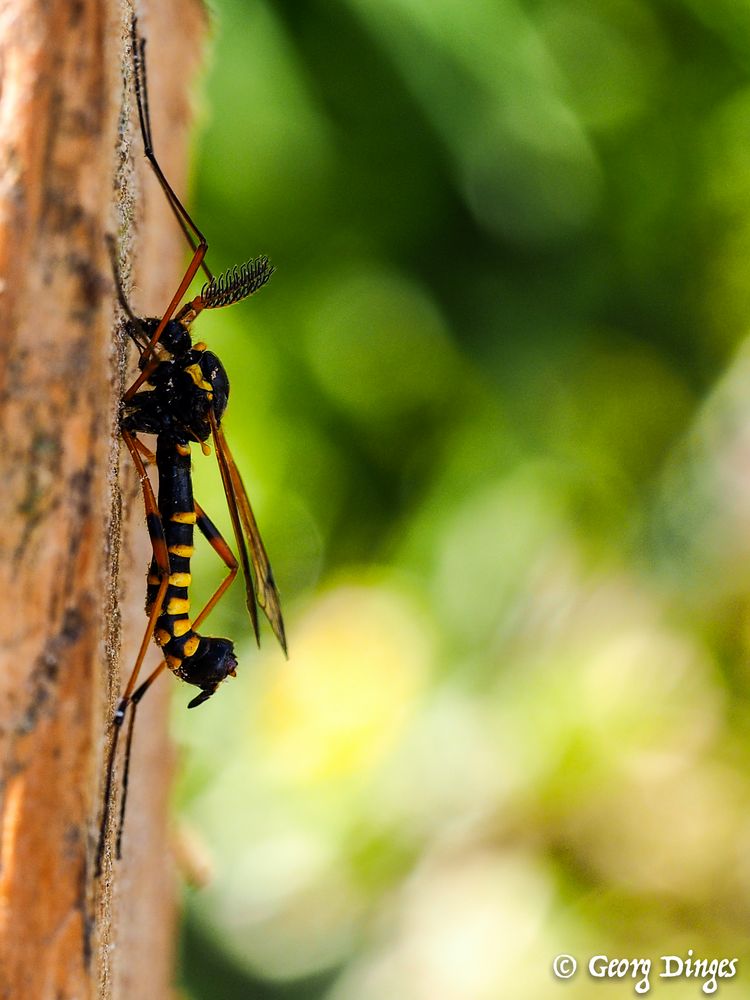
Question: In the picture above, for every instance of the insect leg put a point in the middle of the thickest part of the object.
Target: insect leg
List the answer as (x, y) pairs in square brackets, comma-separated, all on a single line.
[(148, 455), (192, 234), (134, 699), (198, 243), (161, 558), (190, 273), (217, 542)]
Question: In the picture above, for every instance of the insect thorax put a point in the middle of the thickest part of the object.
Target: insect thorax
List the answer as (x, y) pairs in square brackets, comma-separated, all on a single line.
[(180, 395)]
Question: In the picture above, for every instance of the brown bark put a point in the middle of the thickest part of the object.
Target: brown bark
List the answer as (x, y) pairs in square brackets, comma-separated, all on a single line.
[(73, 547)]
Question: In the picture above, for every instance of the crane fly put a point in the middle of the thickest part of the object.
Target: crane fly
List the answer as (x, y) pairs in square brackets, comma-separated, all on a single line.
[(180, 396)]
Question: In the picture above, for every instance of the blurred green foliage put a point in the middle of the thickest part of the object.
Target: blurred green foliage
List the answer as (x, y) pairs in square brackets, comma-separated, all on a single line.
[(493, 414)]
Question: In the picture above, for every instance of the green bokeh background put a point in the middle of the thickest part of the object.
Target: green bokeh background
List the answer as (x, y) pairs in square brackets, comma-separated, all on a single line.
[(493, 414)]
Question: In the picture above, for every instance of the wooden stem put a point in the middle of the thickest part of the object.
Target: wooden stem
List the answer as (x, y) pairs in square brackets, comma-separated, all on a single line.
[(73, 544)]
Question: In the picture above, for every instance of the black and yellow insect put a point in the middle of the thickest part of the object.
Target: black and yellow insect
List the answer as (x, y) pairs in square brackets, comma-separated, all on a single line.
[(180, 396)]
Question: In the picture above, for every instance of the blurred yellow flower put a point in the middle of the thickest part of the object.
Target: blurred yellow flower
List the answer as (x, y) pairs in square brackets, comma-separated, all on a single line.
[(361, 657)]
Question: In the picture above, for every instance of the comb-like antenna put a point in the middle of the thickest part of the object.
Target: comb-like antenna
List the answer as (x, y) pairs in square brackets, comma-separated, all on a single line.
[(236, 283)]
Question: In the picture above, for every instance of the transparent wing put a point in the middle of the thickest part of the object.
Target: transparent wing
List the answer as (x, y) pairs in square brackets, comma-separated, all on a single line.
[(260, 586)]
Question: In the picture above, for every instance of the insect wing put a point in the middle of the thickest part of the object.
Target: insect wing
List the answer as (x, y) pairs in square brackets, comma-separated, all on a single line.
[(265, 590), (226, 479)]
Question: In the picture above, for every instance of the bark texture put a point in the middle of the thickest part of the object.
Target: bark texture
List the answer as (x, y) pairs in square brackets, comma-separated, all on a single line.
[(73, 546)]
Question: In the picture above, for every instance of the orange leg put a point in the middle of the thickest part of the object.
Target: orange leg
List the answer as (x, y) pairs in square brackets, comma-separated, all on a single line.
[(195, 263), (196, 239), (215, 539), (146, 453), (217, 542), (161, 558)]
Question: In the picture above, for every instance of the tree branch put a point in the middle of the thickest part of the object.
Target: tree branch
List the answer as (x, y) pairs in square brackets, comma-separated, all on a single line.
[(73, 547)]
